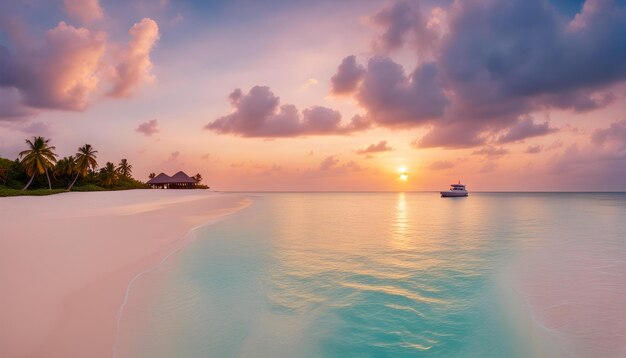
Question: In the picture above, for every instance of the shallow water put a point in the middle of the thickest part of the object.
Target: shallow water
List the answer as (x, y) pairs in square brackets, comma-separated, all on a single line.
[(392, 274)]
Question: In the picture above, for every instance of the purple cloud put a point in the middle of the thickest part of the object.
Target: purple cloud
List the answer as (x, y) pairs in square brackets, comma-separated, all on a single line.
[(328, 163), (67, 67), (148, 128), (441, 165), (497, 62), (490, 151), (349, 74), (37, 128), (403, 22), (616, 132), (590, 168), (456, 134), (393, 99), (11, 107), (59, 75), (330, 166), (259, 114), (375, 148), (526, 128), (533, 149)]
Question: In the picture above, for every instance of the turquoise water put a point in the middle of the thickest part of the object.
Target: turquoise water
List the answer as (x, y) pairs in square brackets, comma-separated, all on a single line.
[(392, 274)]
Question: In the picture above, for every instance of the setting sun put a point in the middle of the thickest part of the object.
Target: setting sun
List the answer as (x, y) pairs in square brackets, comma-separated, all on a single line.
[(403, 174)]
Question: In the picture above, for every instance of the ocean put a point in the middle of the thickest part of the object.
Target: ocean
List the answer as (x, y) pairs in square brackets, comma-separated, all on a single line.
[(392, 275)]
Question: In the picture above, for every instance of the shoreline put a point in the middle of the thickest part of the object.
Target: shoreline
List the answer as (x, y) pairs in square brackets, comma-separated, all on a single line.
[(188, 238), (69, 271)]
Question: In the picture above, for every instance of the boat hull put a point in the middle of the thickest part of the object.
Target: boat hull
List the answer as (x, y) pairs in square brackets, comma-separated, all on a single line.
[(452, 194)]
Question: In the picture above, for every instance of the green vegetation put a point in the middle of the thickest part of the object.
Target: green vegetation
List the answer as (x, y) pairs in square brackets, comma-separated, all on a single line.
[(4, 191), (78, 172), (88, 187)]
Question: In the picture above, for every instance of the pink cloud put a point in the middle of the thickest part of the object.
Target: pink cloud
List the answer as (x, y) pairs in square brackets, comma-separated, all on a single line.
[(328, 163), (391, 98), (483, 75), (441, 165), (349, 74), (615, 133), (593, 166), (65, 70), (62, 73), (135, 64), (85, 11), (331, 165), (382, 146), (533, 149), (526, 128), (403, 22), (491, 152), (258, 113), (11, 106), (148, 128)]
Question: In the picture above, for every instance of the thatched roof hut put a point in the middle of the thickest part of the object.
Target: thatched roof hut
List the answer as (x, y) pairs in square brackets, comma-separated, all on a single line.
[(160, 179), (179, 180)]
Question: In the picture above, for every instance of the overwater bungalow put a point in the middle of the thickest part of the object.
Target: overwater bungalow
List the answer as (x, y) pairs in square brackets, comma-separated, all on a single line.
[(179, 180)]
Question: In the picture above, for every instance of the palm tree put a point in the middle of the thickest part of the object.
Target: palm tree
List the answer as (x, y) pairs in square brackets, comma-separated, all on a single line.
[(198, 177), (124, 169), (152, 175), (108, 175), (65, 167), (85, 160), (38, 158)]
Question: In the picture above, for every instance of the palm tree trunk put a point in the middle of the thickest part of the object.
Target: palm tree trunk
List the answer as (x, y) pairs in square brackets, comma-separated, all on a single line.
[(30, 181), (47, 176), (73, 182)]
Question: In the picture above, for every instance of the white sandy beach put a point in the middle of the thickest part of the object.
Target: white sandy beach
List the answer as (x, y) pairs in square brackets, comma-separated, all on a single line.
[(66, 261)]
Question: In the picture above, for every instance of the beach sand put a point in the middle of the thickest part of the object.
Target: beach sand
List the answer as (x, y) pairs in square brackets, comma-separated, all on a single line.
[(66, 262)]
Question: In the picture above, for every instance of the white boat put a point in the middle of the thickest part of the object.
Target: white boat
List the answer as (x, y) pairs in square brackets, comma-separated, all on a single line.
[(456, 190)]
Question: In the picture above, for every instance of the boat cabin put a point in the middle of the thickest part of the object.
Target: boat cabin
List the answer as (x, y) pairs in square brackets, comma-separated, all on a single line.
[(457, 187)]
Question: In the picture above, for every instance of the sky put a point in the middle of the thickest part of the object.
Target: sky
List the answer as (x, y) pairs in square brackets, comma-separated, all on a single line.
[(524, 95)]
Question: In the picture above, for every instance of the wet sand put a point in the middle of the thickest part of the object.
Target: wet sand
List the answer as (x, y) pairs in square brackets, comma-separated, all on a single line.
[(66, 261)]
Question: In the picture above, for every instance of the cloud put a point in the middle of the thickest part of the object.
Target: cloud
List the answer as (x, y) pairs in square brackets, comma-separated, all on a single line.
[(59, 74), (491, 152), (526, 128), (533, 149), (488, 167), (404, 22), (11, 107), (258, 113), (457, 134), (37, 128), (331, 166), (495, 63), (375, 148), (328, 163), (66, 69), (393, 99), (309, 83), (177, 19), (174, 157), (616, 132), (441, 165), (349, 74), (590, 167), (148, 128), (85, 11), (135, 64)]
